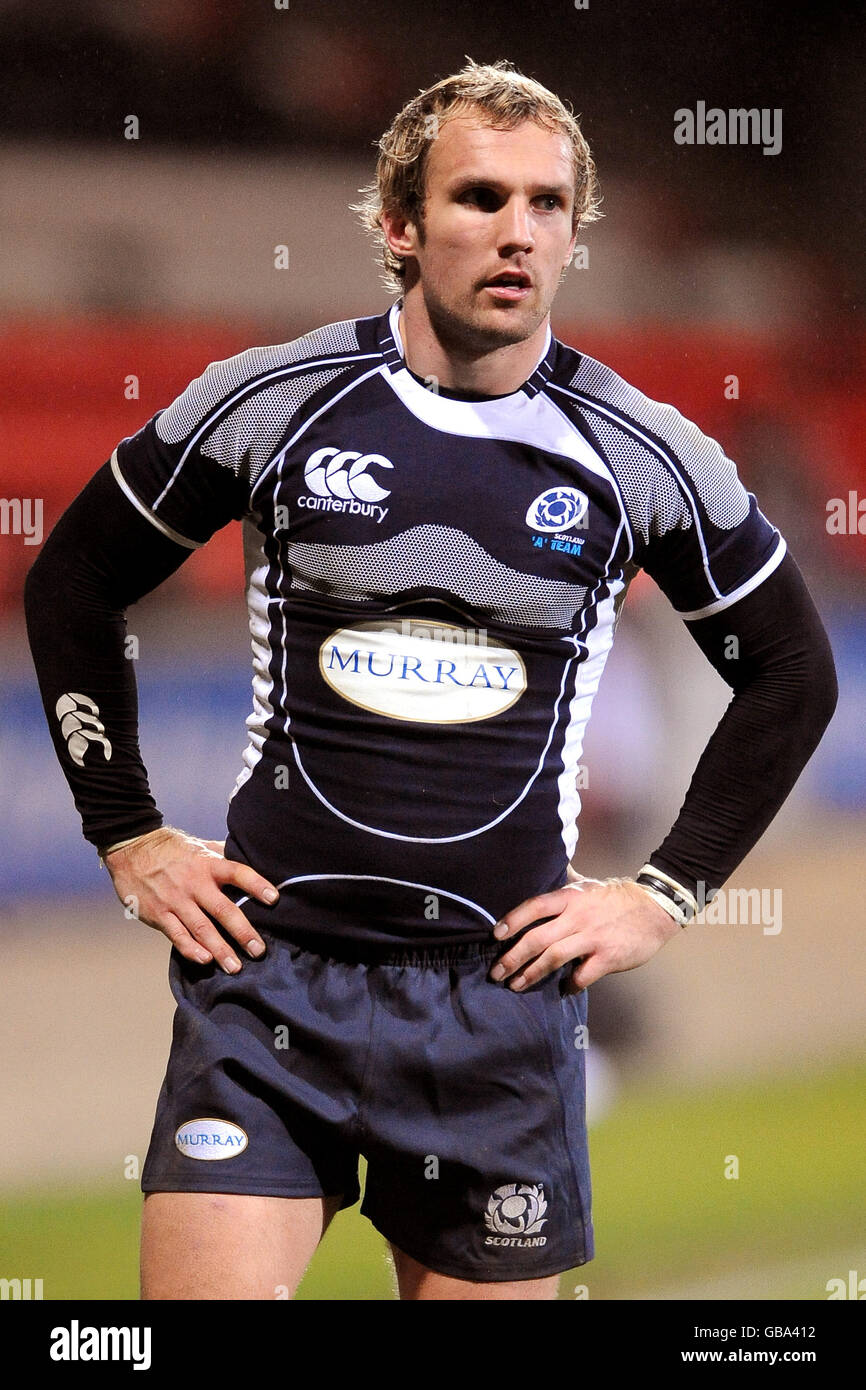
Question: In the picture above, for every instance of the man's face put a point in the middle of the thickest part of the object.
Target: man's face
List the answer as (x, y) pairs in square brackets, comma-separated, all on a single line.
[(499, 203)]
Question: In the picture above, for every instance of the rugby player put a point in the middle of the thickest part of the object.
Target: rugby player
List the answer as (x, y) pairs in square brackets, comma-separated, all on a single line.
[(443, 506)]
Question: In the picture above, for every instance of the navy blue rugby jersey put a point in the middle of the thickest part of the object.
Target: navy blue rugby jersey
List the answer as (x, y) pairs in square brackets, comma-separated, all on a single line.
[(433, 584)]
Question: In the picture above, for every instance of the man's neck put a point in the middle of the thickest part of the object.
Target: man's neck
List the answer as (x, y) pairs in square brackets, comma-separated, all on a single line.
[(495, 373)]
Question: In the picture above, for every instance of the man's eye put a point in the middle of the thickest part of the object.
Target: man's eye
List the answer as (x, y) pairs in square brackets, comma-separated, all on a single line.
[(550, 198), (481, 197)]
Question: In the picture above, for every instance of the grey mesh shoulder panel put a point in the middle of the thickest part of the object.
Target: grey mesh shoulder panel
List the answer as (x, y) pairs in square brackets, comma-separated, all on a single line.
[(655, 500), (220, 380), (250, 434)]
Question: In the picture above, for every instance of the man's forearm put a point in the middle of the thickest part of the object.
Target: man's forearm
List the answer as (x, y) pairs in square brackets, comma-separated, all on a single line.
[(784, 680), (100, 557)]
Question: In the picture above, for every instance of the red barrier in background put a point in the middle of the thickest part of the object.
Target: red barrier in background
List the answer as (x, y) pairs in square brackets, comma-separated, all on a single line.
[(64, 406)]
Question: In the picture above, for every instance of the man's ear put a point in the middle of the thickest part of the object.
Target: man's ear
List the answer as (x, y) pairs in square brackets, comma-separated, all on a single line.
[(400, 234)]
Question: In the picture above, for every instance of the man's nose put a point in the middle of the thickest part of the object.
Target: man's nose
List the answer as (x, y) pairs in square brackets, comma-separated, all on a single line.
[(515, 225)]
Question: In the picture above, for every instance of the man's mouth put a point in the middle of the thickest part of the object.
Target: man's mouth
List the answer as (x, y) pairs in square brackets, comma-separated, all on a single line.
[(510, 284)]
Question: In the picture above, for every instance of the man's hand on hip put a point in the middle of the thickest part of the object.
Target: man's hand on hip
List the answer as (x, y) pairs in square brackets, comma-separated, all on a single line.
[(174, 879), (604, 927)]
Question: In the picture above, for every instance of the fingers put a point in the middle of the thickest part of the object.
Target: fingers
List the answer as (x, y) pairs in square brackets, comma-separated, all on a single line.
[(227, 914), (178, 886), (602, 925), (531, 961), (242, 876), (197, 939), (232, 920), (566, 909), (189, 948), (552, 944), (545, 905), (531, 944), (205, 933)]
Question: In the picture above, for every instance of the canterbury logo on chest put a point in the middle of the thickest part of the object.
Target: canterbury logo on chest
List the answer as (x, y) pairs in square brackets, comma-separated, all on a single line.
[(341, 480)]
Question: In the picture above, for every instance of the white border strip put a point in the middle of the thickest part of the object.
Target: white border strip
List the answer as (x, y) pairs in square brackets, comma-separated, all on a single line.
[(146, 512), (378, 878), (750, 585)]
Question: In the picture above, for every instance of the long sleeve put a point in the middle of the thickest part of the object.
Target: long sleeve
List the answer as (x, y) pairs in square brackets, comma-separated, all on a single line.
[(102, 556), (772, 649)]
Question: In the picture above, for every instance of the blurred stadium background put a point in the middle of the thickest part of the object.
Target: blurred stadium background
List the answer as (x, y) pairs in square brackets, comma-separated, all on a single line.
[(130, 263)]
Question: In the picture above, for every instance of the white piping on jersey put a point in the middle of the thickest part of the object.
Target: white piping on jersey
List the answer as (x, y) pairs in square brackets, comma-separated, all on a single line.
[(146, 512), (756, 580), (572, 743), (326, 406), (612, 414), (276, 374), (598, 644), (441, 839), (284, 644), (608, 473), (378, 878), (257, 567)]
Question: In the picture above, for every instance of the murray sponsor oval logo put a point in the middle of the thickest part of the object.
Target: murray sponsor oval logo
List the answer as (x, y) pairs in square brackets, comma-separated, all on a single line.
[(425, 672), (210, 1139)]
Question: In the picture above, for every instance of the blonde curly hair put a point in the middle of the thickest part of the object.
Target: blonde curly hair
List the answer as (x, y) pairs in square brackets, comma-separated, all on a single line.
[(502, 97)]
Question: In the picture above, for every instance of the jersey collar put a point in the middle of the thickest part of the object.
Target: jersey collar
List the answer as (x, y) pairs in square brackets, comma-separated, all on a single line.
[(392, 350)]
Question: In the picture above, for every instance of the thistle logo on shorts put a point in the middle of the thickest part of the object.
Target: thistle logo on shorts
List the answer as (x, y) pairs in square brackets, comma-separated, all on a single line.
[(210, 1139), (339, 480), (558, 509), (425, 672), (515, 1213)]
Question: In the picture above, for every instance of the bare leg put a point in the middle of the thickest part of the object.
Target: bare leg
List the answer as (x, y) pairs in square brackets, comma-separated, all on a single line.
[(226, 1246), (418, 1283)]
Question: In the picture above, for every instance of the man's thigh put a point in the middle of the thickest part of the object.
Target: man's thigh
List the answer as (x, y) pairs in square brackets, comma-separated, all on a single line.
[(475, 1130), (210, 1245), (252, 1137), (416, 1283)]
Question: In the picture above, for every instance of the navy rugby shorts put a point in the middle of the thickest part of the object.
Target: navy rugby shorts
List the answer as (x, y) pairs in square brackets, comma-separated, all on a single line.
[(466, 1099)]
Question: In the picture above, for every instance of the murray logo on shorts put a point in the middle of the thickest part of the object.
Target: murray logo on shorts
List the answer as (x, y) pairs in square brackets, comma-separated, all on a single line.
[(515, 1215), (210, 1139), (339, 481)]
